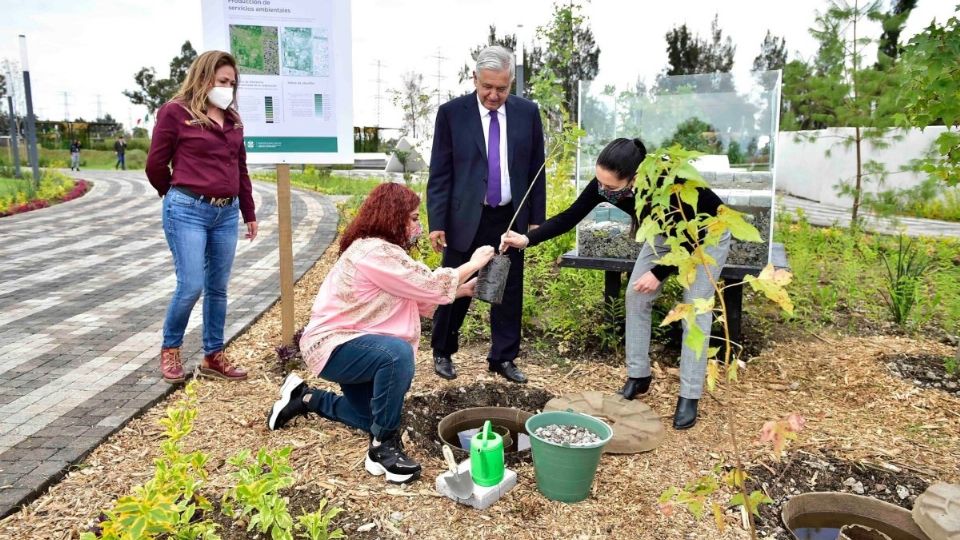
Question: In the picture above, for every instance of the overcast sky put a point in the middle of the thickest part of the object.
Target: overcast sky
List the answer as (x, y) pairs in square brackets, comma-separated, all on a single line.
[(87, 51)]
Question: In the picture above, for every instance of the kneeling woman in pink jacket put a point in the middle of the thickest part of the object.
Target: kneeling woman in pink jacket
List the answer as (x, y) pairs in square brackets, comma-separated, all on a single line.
[(365, 327)]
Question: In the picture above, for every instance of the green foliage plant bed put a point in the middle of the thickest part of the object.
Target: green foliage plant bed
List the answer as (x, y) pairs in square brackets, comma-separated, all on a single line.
[(174, 503), (18, 196)]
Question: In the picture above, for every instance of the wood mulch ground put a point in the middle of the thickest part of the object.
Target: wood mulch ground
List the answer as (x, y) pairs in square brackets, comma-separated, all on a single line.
[(856, 410)]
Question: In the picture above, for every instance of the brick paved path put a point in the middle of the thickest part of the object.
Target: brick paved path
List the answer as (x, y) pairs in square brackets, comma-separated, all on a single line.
[(83, 290)]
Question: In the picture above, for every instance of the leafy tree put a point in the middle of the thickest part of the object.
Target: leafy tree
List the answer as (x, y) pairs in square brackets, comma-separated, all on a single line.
[(569, 54), (508, 41), (696, 135), (3, 85), (799, 107), (811, 89), (107, 119), (532, 57), (414, 100), (735, 153), (154, 91), (773, 54), (689, 54), (845, 93), (889, 46), (930, 94)]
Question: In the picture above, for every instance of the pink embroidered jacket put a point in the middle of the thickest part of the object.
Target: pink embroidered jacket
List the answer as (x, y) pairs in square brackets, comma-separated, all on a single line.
[(374, 288)]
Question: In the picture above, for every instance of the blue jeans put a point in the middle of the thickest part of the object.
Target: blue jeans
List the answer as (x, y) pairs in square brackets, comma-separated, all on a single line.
[(203, 240), (374, 372), (121, 162)]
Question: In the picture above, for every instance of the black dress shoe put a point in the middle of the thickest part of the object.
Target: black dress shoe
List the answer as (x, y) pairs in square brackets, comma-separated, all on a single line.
[(635, 386), (509, 370), (443, 365), (686, 415)]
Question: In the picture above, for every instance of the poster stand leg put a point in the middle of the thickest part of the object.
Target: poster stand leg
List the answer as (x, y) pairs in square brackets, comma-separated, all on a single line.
[(286, 253)]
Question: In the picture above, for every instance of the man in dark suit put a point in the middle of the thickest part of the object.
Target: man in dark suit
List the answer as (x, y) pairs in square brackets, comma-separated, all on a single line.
[(487, 150)]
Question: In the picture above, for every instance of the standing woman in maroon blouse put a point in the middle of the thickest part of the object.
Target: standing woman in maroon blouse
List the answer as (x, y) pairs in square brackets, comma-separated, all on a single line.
[(198, 164)]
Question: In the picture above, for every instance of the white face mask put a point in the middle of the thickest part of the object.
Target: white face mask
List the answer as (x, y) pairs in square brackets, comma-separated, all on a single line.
[(220, 96)]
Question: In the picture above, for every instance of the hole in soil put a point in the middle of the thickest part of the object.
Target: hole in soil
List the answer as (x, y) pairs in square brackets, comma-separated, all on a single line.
[(925, 371), (804, 472), (830, 525), (425, 412), (508, 435)]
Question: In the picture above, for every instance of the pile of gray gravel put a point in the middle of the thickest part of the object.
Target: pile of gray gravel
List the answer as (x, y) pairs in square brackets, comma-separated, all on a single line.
[(560, 434)]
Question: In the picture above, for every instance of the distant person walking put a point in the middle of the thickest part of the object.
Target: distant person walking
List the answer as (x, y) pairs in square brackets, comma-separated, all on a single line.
[(120, 147), (75, 155)]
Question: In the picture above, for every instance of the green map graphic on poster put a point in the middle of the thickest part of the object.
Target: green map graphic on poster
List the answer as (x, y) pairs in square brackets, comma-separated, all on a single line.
[(255, 48), (306, 52)]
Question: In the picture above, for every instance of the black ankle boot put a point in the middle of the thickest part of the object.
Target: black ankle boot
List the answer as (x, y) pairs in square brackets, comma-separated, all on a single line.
[(635, 386), (686, 415)]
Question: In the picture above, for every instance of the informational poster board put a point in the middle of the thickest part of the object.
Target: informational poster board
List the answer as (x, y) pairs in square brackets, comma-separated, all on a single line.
[(294, 57)]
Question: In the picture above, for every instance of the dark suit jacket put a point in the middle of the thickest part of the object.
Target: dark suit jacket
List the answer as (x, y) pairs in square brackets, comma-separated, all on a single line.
[(458, 168)]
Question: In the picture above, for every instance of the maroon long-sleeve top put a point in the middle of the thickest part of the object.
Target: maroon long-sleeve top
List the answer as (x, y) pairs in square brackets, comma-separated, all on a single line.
[(208, 160)]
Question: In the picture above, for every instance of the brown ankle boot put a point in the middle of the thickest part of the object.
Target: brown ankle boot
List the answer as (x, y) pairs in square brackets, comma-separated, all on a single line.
[(171, 365), (218, 365)]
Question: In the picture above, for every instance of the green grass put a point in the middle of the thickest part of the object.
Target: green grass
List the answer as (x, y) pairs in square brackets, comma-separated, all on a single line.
[(89, 159), (53, 187), (329, 184), (9, 187), (929, 200), (839, 278)]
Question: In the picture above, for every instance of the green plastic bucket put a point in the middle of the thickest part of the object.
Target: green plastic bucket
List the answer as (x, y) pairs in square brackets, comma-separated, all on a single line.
[(565, 473)]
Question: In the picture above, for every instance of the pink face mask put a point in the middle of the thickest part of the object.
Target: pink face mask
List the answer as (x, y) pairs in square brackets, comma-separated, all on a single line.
[(415, 235)]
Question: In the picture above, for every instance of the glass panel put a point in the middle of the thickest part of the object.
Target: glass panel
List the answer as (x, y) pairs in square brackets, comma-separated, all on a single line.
[(732, 118)]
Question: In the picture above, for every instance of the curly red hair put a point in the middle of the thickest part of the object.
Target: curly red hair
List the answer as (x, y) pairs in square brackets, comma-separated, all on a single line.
[(384, 214)]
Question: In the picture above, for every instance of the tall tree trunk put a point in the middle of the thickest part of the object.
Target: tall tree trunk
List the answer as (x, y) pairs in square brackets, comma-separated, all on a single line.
[(856, 107), (859, 184)]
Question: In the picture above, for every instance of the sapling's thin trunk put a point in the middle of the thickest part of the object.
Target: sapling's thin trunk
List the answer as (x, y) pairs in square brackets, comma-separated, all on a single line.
[(727, 407), (556, 148)]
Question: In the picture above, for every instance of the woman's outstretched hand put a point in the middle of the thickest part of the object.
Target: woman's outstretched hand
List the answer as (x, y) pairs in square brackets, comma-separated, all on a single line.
[(467, 289), (512, 239), (482, 255)]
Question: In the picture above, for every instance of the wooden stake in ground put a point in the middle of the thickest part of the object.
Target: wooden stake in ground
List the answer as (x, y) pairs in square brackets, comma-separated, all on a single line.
[(286, 253)]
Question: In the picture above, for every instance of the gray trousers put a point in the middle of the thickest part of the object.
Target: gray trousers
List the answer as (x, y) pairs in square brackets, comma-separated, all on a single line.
[(639, 306)]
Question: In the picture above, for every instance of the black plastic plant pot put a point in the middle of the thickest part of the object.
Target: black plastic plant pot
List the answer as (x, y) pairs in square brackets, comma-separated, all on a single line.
[(492, 279)]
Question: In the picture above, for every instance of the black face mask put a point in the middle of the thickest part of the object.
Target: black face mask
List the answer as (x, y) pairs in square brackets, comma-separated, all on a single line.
[(613, 196)]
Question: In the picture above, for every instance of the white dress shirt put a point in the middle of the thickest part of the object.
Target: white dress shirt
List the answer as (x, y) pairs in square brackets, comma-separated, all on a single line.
[(505, 196)]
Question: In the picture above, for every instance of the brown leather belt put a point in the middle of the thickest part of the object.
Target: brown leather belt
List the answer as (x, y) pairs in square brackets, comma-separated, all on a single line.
[(212, 201)]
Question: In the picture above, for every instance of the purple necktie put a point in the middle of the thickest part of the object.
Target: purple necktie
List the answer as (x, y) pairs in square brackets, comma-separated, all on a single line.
[(493, 161)]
